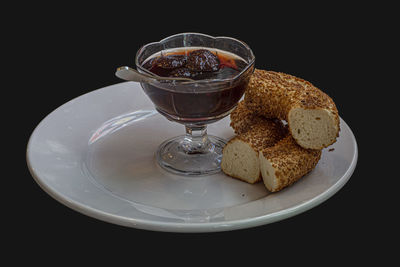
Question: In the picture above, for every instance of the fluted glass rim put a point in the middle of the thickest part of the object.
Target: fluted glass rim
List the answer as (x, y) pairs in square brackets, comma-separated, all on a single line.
[(203, 84)]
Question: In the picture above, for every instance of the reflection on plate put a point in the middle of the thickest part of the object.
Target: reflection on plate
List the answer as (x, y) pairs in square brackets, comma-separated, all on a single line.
[(95, 154)]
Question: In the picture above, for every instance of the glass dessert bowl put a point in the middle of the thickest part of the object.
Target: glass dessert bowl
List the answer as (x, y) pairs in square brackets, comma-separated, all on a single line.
[(219, 69)]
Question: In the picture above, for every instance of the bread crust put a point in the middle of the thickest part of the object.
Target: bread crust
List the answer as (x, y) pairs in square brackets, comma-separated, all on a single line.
[(263, 134), (242, 117), (289, 161), (274, 94)]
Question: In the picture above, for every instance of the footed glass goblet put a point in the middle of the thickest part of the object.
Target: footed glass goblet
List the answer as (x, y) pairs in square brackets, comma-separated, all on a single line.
[(220, 69)]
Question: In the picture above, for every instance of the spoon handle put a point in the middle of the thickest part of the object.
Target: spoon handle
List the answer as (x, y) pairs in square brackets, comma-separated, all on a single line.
[(129, 74)]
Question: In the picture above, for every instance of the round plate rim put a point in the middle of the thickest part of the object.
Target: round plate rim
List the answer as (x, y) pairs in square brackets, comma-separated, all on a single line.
[(194, 226)]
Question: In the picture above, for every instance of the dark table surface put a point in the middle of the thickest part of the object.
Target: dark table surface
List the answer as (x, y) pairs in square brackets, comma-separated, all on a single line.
[(72, 51)]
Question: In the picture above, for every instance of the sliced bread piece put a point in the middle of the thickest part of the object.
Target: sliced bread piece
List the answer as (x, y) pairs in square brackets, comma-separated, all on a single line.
[(240, 158), (285, 163), (310, 113)]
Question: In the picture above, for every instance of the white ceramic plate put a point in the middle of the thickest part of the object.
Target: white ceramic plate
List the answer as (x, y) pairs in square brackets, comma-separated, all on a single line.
[(95, 154)]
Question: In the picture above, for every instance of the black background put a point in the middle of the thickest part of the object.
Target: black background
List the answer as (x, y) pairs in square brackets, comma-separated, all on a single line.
[(65, 51)]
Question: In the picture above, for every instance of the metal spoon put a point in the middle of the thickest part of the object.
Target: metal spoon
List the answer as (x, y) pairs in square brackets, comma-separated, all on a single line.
[(129, 74)]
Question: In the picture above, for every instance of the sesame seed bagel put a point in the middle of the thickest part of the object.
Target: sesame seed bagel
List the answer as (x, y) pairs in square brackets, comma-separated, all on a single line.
[(285, 163), (281, 161), (240, 158), (311, 114)]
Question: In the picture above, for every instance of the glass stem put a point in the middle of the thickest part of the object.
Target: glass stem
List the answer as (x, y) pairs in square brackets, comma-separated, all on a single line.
[(196, 139)]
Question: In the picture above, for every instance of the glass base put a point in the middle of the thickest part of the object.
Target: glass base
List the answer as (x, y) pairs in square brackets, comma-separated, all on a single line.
[(180, 155)]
